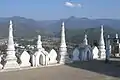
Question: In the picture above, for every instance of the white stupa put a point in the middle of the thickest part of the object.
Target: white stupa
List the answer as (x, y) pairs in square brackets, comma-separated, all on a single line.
[(11, 60), (35, 61), (40, 57), (102, 51), (64, 57)]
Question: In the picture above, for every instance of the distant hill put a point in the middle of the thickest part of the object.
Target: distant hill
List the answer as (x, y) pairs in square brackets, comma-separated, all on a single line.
[(24, 27), (77, 23), (77, 35)]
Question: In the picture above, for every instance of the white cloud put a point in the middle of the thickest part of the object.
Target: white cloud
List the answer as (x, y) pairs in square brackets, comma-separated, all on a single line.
[(70, 4)]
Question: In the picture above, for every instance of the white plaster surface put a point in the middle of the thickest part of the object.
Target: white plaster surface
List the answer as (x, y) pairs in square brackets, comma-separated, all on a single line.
[(52, 57), (25, 57)]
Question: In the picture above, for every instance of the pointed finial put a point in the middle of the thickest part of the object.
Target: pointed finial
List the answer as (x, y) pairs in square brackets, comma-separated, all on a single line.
[(39, 43), (108, 36), (62, 23), (101, 27), (10, 22), (85, 41), (116, 36), (63, 26), (39, 37), (86, 36)]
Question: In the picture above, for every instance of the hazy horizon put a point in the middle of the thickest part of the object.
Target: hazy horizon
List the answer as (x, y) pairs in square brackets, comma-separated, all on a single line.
[(60, 18)]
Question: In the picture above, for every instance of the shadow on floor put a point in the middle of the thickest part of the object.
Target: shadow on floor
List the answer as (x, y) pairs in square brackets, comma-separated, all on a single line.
[(110, 69)]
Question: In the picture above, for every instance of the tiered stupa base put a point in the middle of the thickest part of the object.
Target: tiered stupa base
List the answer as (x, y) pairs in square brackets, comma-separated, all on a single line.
[(11, 65)]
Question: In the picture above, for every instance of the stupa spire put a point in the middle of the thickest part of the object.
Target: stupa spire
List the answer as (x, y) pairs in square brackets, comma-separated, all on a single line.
[(10, 38), (102, 51), (11, 60), (64, 58), (63, 43), (101, 41)]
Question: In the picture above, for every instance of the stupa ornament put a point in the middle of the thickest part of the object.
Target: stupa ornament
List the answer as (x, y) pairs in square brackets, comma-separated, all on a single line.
[(39, 43), (11, 22), (85, 41), (116, 36)]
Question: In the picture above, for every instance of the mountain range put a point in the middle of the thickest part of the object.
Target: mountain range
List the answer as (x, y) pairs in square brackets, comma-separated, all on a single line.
[(83, 23), (24, 27)]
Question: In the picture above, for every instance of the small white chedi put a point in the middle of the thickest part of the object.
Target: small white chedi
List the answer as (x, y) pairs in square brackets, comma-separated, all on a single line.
[(85, 50), (63, 55), (11, 60), (102, 51), (95, 52), (25, 57), (52, 57), (76, 55), (41, 56)]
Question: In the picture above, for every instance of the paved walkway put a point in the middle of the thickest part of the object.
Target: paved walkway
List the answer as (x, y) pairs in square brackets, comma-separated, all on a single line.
[(93, 70)]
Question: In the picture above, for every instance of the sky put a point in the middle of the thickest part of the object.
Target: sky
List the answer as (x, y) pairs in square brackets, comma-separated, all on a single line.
[(58, 9)]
